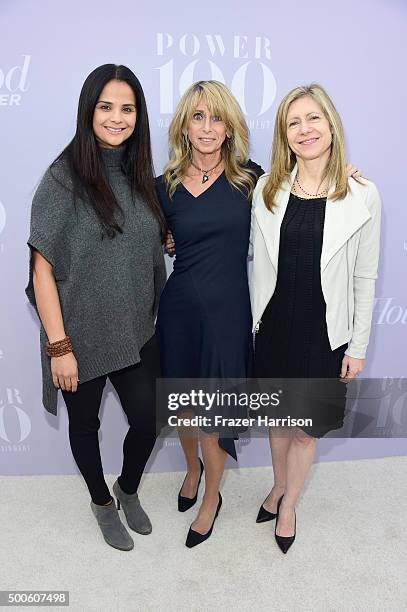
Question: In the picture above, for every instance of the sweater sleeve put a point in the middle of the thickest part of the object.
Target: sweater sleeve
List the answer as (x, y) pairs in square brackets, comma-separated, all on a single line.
[(50, 213)]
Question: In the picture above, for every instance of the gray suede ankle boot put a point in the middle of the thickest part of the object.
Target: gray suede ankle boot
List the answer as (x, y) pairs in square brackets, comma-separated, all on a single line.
[(113, 530), (137, 519)]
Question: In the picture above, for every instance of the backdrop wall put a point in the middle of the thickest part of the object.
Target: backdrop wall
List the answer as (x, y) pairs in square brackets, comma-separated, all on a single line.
[(261, 49)]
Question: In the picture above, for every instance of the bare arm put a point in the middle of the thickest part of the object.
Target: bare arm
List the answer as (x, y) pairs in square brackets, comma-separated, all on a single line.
[(64, 369)]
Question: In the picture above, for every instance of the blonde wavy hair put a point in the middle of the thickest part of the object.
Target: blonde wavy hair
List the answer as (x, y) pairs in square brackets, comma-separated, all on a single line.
[(283, 159), (235, 149)]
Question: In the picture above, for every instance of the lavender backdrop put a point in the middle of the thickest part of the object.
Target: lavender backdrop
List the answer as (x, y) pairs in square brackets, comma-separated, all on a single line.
[(261, 49)]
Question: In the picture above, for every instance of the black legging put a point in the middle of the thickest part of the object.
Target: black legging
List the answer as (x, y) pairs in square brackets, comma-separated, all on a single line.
[(135, 386)]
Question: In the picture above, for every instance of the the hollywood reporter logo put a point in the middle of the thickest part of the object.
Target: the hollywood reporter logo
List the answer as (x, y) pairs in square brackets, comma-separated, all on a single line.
[(13, 404), (14, 82), (175, 78), (387, 312)]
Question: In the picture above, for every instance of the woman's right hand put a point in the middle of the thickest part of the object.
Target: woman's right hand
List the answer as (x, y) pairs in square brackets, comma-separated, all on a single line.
[(169, 244), (64, 372)]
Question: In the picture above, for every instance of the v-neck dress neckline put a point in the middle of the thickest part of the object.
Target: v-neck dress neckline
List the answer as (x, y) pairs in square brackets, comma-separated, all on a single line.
[(207, 189)]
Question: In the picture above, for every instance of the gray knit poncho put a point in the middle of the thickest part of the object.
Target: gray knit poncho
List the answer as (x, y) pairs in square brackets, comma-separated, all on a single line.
[(108, 288)]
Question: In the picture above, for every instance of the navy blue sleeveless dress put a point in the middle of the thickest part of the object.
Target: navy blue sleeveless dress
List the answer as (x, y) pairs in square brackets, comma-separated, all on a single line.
[(204, 317)]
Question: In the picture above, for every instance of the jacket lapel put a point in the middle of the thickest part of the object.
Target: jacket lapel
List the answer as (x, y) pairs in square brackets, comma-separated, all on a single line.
[(270, 222), (342, 219)]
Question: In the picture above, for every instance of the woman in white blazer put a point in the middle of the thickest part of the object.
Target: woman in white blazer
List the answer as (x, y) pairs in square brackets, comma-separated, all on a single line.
[(315, 240)]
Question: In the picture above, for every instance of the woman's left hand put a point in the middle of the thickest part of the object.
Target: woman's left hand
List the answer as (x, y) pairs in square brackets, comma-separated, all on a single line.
[(351, 170), (351, 367)]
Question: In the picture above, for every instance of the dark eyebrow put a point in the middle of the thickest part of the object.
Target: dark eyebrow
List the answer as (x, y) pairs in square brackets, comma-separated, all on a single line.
[(111, 103), (203, 112)]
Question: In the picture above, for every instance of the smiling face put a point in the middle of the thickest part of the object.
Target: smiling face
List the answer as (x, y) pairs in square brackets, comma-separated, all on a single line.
[(308, 130), (206, 132), (115, 114)]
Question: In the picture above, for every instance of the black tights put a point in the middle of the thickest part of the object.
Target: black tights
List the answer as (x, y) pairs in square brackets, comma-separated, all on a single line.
[(135, 386)]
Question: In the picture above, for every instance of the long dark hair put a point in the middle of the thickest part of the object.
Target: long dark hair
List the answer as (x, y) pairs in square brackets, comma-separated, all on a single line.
[(85, 160)]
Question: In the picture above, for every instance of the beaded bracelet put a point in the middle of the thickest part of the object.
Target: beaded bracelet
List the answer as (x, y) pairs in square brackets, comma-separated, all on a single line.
[(59, 348)]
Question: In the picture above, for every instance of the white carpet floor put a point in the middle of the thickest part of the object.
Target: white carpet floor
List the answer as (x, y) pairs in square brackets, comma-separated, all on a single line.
[(350, 553)]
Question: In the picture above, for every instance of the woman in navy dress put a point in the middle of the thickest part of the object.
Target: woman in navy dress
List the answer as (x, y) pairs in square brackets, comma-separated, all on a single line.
[(204, 318)]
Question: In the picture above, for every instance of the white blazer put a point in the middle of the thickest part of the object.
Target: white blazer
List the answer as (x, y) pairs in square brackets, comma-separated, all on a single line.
[(349, 259)]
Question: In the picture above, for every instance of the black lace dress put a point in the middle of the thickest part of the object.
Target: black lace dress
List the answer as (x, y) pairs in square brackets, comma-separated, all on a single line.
[(292, 342)]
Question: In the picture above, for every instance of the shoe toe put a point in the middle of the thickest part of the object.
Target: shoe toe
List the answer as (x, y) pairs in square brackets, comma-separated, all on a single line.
[(142, 527), (121, 542), (284, 543), (264, 515), (185, 503)]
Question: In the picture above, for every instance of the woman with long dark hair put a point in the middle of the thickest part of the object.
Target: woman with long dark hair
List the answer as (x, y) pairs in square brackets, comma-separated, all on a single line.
[(96, 274)]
